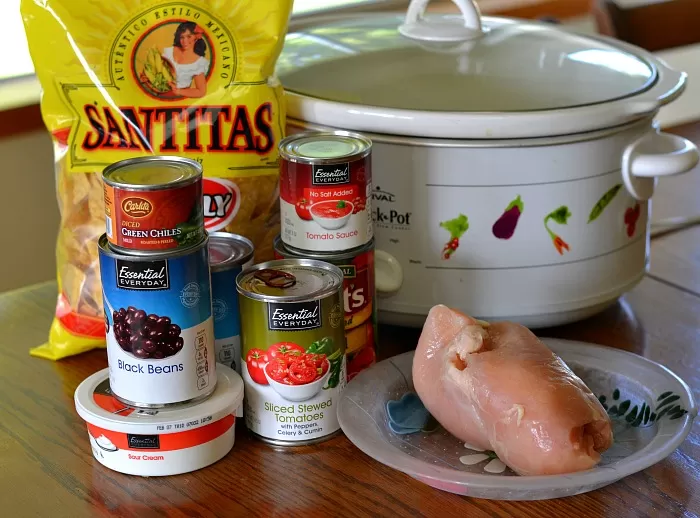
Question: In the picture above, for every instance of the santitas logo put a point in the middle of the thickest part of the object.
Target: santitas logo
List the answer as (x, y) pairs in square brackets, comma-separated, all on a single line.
[(142, 275), (294, 316), (136, 207), (174, 72), (331, 174)]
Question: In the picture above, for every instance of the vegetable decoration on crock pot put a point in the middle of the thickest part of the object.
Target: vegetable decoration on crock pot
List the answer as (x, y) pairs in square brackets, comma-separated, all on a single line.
[(560, 216), (456, 227)]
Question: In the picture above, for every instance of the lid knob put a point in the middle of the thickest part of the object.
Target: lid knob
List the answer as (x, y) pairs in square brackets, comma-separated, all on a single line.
[(442, 29)]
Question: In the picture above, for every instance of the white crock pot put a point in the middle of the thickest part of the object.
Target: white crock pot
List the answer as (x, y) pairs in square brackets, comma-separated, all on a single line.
[(472, 118)]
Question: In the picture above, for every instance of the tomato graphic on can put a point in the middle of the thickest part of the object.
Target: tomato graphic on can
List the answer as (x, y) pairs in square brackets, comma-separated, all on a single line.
[(325, 191)]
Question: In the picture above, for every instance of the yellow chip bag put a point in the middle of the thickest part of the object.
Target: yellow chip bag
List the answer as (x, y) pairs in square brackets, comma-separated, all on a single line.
[(125, 78)]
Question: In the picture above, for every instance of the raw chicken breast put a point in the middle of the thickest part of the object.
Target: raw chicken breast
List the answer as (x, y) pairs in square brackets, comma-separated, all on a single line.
[(498, 387)]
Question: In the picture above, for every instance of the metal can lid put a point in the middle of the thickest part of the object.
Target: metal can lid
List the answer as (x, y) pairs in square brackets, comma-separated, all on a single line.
[(325, 147), (308, 280), (228, 250), (108, 249), (285, 252), (152, 172)]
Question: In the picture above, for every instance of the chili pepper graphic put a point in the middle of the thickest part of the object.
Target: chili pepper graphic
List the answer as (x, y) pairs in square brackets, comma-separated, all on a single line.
[(456, 227), (631, 217), (504, 228), (603, 202), (560, 216)]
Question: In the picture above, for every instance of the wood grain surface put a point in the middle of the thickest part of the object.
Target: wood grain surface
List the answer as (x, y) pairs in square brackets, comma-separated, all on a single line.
[(47, 469)]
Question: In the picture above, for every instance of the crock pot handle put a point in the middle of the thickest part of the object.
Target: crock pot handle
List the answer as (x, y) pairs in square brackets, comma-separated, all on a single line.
[(653, 155), (388, 273), (445, 29)]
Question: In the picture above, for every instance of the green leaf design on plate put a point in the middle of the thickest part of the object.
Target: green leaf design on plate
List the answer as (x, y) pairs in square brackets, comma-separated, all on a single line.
[(669, 399), (604, 202), (643, 415), (624, 406)]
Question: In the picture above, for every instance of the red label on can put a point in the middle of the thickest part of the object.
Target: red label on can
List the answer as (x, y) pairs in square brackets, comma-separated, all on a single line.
[(162, 219), (326, 208)]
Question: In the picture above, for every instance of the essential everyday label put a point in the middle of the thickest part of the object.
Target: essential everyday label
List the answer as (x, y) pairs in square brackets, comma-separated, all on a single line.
[(291, 316), (159, 327), (326, 208)]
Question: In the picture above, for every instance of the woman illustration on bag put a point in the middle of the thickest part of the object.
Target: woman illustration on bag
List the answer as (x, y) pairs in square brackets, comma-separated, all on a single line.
[(187, 55)]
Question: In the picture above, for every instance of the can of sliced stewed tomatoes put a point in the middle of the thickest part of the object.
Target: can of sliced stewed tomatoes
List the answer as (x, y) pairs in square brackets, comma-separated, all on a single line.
[(293, 343), (359, 294), (153, 204), (325, 191)]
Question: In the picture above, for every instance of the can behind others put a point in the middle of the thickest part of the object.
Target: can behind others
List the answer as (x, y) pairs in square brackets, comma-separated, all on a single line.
[(153, 203), (359, 296), (325, 191), (293, 345), (159, 325), (229, 255)]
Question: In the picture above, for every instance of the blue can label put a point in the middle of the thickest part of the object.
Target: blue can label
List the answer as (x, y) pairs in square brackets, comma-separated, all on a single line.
[(227, 318), (160, 328)]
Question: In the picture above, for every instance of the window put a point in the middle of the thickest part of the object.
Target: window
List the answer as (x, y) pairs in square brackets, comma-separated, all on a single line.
[(18, 63)]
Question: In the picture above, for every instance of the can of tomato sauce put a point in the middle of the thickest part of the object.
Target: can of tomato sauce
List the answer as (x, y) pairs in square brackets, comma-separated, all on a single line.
[(294, 365), (325, 191), (153, 203), (229, 255), (159, 326), (359, 294)]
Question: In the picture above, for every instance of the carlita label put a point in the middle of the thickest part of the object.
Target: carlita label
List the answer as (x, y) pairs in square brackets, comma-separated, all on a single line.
[(294, 316), (331, 174), (142, 275), (136, 207)]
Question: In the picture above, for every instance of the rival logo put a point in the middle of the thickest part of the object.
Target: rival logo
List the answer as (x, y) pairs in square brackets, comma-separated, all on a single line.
[(379, 195), (136, 207), (222, 199)]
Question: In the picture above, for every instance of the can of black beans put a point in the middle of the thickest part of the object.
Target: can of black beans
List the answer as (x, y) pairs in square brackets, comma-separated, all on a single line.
[(159, 325)]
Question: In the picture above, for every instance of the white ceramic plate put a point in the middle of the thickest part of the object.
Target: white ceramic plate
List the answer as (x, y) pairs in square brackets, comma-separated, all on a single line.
[(624, 381)]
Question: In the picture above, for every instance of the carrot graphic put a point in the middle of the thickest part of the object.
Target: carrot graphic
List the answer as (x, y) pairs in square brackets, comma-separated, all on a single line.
[(456, 227), (560, 216)]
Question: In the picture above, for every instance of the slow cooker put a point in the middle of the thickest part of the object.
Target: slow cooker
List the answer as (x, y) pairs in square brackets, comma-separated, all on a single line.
[(513, 161)]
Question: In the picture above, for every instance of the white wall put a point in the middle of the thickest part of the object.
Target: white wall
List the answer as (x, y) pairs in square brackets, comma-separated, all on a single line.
[(28, 210)]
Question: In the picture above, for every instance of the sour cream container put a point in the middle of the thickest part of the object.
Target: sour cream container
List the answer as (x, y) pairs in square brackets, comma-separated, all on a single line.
[(157, 442)]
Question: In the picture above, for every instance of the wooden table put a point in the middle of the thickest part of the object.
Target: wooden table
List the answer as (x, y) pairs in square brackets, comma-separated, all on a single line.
[(47, 469)]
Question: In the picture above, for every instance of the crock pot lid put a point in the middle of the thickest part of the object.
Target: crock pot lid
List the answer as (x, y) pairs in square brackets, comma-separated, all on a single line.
[(515, 66)]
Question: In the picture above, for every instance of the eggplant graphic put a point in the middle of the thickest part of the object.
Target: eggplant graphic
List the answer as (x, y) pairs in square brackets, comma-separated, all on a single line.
[(504, 228)]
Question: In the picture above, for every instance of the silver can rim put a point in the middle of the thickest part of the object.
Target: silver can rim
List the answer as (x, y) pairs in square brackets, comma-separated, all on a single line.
[(116, 166), (290, 252), (286, 155), (106, 248), (233, 262), (327, 291)]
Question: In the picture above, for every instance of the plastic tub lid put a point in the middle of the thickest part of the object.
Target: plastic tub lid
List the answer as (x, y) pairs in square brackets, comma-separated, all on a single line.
[(96, 405)]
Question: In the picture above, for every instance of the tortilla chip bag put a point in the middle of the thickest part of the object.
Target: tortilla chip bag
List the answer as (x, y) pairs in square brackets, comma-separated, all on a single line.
[(126, 78)]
